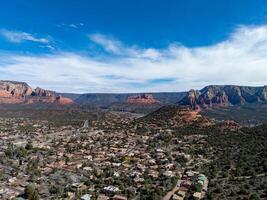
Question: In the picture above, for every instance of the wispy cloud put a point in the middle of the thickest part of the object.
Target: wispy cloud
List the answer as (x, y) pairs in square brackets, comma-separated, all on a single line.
[(71, 25), (241, 59), (110, 45), (17, 37), (116, 47)]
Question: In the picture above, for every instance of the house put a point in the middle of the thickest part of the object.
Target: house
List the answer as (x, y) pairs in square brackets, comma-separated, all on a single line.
[(119, 197), (186, 184), (200, 182), (111, 189), (139, 180), (190, 173), (197, 195), (168, 173), (181, 193), (116, 174), (176, 197), (102, 197), (86, 197), (201, 177)]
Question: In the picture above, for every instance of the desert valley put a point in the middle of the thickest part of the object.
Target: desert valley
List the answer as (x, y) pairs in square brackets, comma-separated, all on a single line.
[(187, 145), (133, 100)]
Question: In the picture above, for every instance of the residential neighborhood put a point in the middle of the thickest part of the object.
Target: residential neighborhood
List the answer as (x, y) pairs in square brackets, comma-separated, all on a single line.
[(107, 159)]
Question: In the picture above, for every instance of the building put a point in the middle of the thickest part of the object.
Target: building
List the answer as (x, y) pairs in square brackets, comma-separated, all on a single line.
[(111, 189), (119, 197), (197, 195), (86, 197)]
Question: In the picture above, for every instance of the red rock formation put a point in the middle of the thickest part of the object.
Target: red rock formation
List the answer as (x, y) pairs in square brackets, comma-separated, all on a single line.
[(223, 96), (142, 99), (5, 94), (12, 92), (63, 100), (43, 93), (15, 89)]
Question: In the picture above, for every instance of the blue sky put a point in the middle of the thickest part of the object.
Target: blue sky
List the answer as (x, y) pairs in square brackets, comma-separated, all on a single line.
[(133, 46)]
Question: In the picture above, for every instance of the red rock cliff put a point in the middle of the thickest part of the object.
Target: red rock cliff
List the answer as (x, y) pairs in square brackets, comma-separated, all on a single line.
[(142, 99), (12, 92)]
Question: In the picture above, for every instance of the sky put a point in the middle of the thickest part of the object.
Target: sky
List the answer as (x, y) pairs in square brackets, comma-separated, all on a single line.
[(117, 46)]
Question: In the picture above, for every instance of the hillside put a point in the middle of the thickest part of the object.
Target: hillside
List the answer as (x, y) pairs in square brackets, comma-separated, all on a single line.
[(175, 116), (224, 96)]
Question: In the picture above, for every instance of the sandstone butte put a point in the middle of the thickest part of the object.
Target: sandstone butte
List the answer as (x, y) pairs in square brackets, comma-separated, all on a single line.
[(144, 99)]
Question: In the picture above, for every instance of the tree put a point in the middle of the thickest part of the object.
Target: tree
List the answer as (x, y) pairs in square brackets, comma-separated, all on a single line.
[(198, 187), (254, 197), (29, 145), (31, 193), (218, 189)]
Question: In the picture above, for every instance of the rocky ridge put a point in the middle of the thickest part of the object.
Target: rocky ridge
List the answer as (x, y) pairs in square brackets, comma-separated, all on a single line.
[(224, 96), (13, 92)]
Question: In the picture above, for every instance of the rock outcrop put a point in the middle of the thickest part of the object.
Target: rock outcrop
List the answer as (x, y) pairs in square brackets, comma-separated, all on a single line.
[(12, 92), (224, 96), (175, 116), (142, 99), (14, 89), (63, 100), (43, 93)]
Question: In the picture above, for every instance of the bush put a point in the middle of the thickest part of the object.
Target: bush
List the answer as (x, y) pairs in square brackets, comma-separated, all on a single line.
[(254, 197), (31, 193)]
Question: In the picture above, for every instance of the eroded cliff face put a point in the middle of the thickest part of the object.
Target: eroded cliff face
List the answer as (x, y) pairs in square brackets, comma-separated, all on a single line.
[(14, 89), (43, 93), (12, 92), (224, 96), (144, 99)]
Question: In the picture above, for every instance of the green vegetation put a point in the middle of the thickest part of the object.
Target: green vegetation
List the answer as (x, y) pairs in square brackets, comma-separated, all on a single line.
[(238, 164), (31, 193), (253, 113)]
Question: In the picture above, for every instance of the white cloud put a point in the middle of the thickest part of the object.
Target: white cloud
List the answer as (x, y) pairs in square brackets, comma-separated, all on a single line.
[(18, 37), (116, 47), (71, 25), (241, 59), (110, 45)]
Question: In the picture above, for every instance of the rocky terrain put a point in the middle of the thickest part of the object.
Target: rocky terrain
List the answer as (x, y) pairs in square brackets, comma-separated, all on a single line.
[(244, 104), (175, 116), (142, 99), (224, 96), (14, 89), (12, 92), (49, 153)]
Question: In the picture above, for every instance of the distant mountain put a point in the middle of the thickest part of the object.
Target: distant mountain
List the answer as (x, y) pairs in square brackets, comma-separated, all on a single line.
[(213, 96), (130, 98), (224, 96), (13, 92)]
